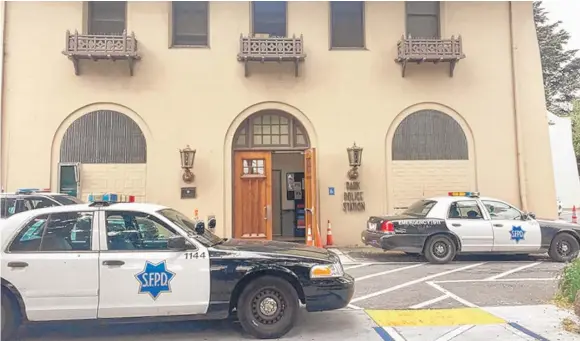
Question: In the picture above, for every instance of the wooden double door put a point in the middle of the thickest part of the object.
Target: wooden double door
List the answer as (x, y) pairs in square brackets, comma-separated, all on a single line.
[(253, 194)]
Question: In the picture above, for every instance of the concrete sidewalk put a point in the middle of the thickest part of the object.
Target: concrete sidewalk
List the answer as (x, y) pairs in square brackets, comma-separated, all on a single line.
[(516, 323)]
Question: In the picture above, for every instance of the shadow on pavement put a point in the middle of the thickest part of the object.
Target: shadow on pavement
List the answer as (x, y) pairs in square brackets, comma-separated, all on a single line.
[(373, 256)]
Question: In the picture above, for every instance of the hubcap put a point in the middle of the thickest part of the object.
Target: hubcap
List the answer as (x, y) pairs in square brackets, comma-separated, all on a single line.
[(563, 248), (268, 306), (440, 249)]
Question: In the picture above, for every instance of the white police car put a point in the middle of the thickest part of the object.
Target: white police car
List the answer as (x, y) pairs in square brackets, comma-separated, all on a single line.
[(110, 261), (25, 199), (462, 222)]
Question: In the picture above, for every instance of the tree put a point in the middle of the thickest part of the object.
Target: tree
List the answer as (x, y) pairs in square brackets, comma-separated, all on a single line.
[(575, 116), (560, 66)]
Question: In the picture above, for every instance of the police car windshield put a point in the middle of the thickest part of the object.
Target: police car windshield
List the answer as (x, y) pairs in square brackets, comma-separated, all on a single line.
[(420, 209), (66, 200), (188, 226)]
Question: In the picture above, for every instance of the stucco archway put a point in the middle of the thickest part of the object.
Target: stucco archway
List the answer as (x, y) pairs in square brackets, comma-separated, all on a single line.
[(439, 156), (101, 125), (263, 107)]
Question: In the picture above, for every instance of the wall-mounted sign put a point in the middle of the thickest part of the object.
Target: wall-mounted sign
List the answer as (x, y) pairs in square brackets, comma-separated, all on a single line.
[(330, 190), (353, 200), (188, 193)]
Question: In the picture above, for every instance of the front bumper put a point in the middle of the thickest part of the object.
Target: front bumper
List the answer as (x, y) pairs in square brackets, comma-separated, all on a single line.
[(395, 242), (329, 294)]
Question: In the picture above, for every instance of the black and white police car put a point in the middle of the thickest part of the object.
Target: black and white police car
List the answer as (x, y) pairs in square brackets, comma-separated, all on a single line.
[(113, 261), (463, 222), (26, 199)]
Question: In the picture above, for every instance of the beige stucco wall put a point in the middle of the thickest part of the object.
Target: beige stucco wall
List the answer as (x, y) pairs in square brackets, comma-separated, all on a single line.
[(198, 96)]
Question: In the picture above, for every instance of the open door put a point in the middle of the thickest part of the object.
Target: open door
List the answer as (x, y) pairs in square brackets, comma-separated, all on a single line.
[(311, 198), (69, 179), (253, 195)]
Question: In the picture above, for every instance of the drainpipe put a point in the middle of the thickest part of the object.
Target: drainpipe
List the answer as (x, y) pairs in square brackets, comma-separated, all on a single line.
[(517, 120), (3, 158)]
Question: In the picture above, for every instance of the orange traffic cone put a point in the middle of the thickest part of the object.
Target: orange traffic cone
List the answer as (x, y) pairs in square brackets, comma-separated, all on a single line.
[(309, 237), (329, 239), (574, 217)]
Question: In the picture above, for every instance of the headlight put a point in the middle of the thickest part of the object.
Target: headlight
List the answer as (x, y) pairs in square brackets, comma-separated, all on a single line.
[(327, 271)]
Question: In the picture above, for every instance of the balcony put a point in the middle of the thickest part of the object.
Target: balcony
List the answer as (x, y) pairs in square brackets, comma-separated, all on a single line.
[(101, 47), (419, 50), (271, 49)]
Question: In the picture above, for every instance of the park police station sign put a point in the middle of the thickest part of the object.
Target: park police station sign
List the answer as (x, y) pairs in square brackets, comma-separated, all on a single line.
[(353, 200)]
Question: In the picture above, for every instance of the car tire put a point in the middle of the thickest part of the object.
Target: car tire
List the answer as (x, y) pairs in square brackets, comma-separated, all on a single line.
[(440, 249), (268, 307), (10, 318), (564, 248)]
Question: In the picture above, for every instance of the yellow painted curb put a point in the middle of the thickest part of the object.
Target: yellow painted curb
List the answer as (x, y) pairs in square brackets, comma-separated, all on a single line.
[(433, 317)]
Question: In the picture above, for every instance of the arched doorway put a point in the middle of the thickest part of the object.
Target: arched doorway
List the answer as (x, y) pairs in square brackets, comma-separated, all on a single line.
[(272, 168), (429, 156), (103, 151)]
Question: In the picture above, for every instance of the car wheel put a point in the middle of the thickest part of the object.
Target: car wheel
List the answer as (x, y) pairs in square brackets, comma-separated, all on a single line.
[(10, 318), (440, 250), (564, 248), (268, 307)]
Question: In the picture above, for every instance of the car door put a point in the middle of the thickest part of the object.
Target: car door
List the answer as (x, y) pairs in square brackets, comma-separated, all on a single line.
[(511, 232), (55, 271), (466, 220), (140, 276)]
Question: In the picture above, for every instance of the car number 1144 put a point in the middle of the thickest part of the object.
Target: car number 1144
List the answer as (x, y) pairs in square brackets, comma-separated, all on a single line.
[(194, 255)]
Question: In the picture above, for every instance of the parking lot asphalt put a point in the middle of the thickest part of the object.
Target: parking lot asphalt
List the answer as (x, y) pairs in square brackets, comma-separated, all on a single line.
[(397, 297)]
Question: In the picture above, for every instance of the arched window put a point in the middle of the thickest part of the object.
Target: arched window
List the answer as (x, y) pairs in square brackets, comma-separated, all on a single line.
[(271, 129), (429, 135), (104, 136)]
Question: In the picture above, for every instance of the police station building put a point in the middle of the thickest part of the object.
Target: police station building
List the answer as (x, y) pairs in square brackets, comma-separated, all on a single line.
[(329, 110)]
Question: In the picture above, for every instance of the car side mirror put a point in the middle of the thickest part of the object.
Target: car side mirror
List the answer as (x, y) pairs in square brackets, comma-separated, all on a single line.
[(200, 227), (531, 215), (211, 223), (177, 243)]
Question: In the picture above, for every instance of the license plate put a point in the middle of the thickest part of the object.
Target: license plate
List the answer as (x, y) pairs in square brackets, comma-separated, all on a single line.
[(372, 226)]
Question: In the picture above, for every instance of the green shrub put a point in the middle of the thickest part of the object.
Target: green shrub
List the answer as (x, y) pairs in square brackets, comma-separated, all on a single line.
[(569, 282)]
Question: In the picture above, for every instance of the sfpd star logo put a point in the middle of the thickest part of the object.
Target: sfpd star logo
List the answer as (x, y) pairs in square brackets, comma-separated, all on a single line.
[(155, 279), (517, 233)]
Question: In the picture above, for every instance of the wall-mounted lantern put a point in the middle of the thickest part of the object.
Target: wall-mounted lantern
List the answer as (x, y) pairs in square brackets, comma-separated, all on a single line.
[(355, 160), (187, 158)]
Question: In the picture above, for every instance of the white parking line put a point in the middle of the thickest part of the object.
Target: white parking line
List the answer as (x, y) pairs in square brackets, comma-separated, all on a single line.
[(362, 278), (429, 302), (454, 333), (453, 296), (420, 280), (503, 274), (498, 280), (356, 266), (394, 334)]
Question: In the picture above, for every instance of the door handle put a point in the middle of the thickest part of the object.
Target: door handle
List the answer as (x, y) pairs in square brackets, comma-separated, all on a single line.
[(17, 264), (113, 262), (456, 224), (265, 212), (498, 225)]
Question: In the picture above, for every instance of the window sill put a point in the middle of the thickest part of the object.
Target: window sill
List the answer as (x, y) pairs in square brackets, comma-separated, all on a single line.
[(189, 46), (348, 49)]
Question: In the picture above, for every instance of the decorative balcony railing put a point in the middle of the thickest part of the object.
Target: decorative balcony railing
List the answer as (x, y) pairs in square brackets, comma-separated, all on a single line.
[(432, 50), (98, 47), (271, 49)]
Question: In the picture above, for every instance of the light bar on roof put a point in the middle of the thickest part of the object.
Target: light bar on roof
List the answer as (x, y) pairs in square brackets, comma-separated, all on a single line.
[(31, 190), (111, 197), (464, 194)]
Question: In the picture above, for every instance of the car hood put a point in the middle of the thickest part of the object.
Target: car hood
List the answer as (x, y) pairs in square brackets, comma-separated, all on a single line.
[(560, 224), (274, 249)]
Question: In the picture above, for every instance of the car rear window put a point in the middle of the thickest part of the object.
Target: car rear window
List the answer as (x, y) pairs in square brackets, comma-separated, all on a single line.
[(67, 200), (7, 207), (420, 209)]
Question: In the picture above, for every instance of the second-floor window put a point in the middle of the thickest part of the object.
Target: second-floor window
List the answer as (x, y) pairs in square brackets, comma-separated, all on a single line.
[(423, 19), (269, 17), (107, 17), (347, 24), (190, 23)]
